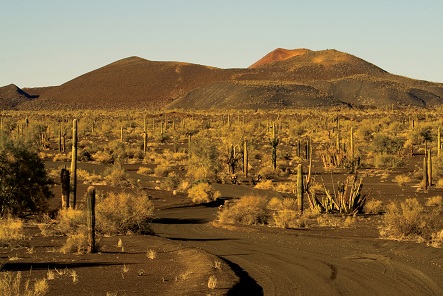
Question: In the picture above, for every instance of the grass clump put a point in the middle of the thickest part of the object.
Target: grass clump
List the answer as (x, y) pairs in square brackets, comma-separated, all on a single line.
[(11, 284), (11, 231)]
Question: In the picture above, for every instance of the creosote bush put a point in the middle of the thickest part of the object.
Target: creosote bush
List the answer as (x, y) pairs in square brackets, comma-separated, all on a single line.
[(249, 210), (202, 192), (410, 220), (122, 213)]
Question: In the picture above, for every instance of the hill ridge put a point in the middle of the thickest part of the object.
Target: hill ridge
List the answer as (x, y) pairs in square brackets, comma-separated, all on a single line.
[(283, 78)]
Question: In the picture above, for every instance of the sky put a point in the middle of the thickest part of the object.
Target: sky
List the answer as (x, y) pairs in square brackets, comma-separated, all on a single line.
[(49, 42)]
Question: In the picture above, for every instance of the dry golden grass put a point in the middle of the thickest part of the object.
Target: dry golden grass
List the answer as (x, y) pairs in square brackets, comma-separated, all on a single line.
[(11, 284), (11, 231)]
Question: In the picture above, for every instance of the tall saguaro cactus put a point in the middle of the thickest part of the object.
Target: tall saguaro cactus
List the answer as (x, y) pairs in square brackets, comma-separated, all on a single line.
[(90, 218), (145, 136), (73, 198), (65, 179), (245, 158), (300, 187), (274, 143), (439, 142)]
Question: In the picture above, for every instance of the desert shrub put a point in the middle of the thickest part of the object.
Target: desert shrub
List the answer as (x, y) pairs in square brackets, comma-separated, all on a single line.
[(373, 206), (24, 183), (269, 173), (386, 144), (76, 242), (171, 182), (202, 192), (410, 220), (11, 285), (402, 179), (285, 213), (388, 161), (437, 239), (249, 210), (145, 171), (116, 175), (162, 169), (436, 201), (103, 157), (265, 185), (69, 221), (203, 163), (11, 231), (120, 213)]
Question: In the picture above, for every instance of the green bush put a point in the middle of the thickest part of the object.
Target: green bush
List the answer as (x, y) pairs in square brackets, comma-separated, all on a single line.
[(24, 183)]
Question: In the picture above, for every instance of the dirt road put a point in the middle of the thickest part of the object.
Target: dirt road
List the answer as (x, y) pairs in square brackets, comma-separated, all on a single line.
[(313, 261)]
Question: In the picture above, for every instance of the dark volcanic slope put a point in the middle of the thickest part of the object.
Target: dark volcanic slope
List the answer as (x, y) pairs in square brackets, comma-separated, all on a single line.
[(281, 79), (11, 96), (130, 83), (313, 78)]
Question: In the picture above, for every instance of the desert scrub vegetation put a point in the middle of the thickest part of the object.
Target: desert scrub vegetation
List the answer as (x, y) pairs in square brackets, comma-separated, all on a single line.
[(202, 192), (123, 213), (11, 231), (11, 284), (25, 185), (410, 220), (249, 210)]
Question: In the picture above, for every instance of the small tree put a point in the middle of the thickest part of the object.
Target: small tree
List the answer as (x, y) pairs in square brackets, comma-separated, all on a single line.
[(24, 183)]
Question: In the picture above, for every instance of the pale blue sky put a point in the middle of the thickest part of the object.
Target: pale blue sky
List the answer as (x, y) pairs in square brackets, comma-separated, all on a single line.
[(48, 42)]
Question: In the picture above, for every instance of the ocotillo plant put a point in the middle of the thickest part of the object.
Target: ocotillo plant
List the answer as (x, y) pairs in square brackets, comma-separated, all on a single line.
[(65, 179), (245, 158), (73, 198), (90, 218), (300, 187)]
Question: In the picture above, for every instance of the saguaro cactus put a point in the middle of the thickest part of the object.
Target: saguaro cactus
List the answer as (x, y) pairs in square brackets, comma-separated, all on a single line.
[(352, 143), (439, 142), (90, 218), (145, 136), (425, 173), (429, 172), (274, 143), (245, 158), (64, 178), (73, 198), (300, 187)]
